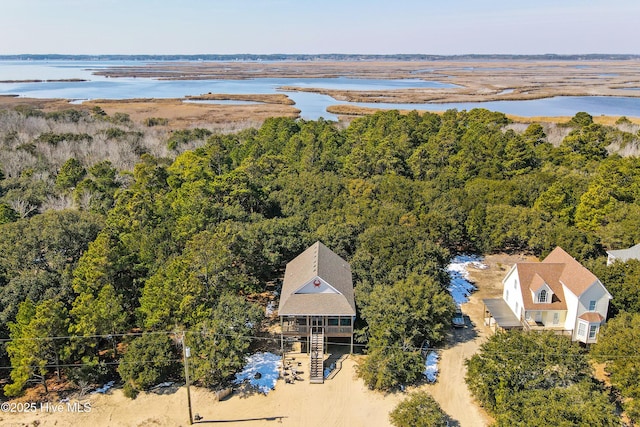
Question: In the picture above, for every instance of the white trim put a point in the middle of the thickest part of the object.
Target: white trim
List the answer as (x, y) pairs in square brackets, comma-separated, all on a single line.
[(585, 325), (323, 283), (543, 292)]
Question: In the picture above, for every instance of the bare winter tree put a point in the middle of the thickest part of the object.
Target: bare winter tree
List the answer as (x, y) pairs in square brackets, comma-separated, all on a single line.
[(57, 203), (21, 207)]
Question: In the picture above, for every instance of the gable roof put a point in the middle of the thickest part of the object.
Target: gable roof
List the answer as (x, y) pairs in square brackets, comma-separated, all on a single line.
[(317, 261), (574, 275), (537, 282), (532, 275), (558, 270), (626, 254)]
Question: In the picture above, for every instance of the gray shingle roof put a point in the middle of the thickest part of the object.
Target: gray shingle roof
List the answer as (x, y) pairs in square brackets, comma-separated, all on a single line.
[(502, 314), (626, 254), (320, 262)]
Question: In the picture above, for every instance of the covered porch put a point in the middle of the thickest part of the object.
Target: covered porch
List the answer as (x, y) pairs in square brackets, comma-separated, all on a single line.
[(334, 326), (498, 315)]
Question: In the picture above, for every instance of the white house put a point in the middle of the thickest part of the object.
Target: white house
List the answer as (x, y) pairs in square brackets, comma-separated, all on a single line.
[(623, 255), (555, 294)]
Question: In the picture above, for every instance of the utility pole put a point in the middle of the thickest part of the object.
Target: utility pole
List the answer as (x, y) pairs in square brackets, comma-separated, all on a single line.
[(186, 354)]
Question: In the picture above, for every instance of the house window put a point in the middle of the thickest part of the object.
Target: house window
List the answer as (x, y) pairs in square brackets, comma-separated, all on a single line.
[(593, 329), (517, 309), (332, 321), (515, 284), (556, 318), (592, 305), (345, 321), (582, 328), (542, 297), (506, 294)]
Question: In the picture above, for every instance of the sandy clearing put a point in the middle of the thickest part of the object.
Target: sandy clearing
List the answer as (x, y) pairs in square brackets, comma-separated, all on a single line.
[(342, 401)]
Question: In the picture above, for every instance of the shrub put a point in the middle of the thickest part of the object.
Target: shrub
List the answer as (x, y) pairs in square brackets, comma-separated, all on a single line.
[(181, 137), (52, 138), (155, 121), (149, 359), (418, 410)]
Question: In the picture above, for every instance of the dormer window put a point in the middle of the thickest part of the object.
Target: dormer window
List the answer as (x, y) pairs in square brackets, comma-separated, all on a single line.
[(542, 296)]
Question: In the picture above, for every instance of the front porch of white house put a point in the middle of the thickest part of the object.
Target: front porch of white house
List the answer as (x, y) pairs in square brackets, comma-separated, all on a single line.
[(546, 320)]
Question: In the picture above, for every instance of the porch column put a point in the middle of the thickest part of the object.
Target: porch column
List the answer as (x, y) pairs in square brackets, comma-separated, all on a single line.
[(308, 336), (351, 348), (281, 340), (325, 338)]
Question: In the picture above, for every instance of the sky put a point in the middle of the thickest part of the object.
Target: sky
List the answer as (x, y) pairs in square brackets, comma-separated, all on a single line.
[(442, 27)]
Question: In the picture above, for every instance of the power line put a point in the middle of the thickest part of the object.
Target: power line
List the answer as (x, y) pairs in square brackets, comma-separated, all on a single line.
[(407, 349)]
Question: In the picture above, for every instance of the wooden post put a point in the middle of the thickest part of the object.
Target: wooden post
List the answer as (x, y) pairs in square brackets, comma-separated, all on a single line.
[(281, 340), (186, 352), (351, 349), (308, 335)]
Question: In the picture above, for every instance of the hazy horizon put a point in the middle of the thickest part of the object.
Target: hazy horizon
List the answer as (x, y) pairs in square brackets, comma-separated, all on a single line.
[(192, 27), (303, 54)]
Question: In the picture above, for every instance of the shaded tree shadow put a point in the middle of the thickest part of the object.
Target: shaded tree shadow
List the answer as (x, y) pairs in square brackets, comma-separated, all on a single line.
[(277, 418), (166, 390), (461, 335), (245, 391), (451, 422), (337, 354)]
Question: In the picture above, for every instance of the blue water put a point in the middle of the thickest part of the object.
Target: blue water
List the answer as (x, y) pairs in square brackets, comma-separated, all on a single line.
[(556, 106), (312, 105)]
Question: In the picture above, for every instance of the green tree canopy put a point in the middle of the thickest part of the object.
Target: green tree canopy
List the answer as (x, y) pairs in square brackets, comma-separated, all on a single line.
[(36, 343), (398, 319), (150, 359), (419, 409), (70, 174), (219, 345), (513, 361), (618, 347)]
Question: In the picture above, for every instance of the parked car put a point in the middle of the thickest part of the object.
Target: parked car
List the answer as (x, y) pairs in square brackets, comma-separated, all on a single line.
[(458, 319)]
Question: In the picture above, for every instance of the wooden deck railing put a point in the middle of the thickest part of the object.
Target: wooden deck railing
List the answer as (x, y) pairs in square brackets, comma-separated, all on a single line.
[(303, 330)]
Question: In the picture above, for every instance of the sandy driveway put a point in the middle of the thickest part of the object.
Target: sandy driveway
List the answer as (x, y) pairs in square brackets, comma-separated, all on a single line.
[(450, 391), (341, 401)]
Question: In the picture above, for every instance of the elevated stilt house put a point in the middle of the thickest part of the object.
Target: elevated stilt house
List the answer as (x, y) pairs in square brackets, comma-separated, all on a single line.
[(317, 302)]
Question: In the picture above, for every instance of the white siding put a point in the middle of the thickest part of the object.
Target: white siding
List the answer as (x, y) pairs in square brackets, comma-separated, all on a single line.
[(598, 293), (317, 286), (580, 305), (572, 310), (512, 284)]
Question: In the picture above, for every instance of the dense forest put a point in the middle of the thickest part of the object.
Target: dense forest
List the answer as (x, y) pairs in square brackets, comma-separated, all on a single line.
[(119, 240)]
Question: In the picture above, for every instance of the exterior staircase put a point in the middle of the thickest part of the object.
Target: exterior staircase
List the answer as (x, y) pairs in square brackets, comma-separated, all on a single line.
[(316, 372)]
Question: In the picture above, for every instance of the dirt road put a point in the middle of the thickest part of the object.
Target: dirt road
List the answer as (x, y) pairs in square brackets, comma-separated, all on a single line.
[(451, 391)]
